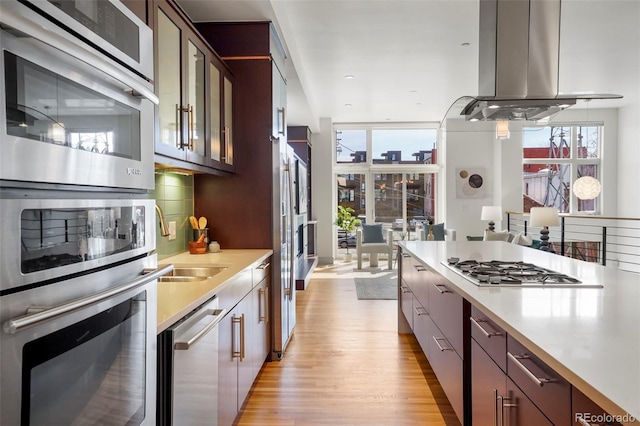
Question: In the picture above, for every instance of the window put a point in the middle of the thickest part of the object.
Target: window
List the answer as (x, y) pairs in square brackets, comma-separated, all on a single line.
[(553, 158), (395, 170)]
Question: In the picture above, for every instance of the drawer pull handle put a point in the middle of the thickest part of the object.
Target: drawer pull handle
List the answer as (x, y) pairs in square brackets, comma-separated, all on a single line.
[(420, 310), (540, 381), (583, 422), (437, 339), (404, 289), (420, 268), (440, 288), (406, 255), (487, 334), (264, 266)]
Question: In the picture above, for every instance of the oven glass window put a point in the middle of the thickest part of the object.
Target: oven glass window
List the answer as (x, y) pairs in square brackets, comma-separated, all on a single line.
[(105, 20), (44, 106), (90, 373), (51, 238)]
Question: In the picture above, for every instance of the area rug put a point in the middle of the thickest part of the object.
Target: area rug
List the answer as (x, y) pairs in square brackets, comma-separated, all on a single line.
[(380, 285)]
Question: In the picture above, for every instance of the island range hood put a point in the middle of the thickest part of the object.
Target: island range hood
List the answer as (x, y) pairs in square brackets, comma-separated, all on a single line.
[(519, 49)]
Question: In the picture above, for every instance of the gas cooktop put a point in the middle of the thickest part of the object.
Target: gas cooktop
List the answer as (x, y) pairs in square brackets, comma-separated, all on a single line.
[(497, 273)]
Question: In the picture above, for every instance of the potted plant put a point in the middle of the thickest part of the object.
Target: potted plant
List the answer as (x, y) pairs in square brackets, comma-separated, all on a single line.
[(348, 222)]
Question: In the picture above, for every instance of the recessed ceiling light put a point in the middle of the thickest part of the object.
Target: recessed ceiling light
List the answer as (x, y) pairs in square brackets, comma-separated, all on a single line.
[(348, 105), (349, 76), (494, 106)]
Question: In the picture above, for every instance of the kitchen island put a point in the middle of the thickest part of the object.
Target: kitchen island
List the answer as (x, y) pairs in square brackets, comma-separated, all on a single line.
[(588, 336)]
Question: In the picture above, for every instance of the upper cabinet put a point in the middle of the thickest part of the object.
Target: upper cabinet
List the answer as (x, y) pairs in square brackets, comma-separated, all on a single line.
[(194, 128)]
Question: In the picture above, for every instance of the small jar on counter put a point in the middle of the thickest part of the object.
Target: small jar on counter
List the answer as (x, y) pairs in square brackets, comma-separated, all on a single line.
[(214, 247)]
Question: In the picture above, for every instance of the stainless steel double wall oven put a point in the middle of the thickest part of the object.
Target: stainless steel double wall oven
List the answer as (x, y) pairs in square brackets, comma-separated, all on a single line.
[(78, 306)]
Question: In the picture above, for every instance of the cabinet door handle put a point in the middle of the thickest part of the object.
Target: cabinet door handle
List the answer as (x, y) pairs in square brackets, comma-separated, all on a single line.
[(190, 125), (281, 113), (420, 311), (266, 305), (440, 288), (262, 299), (437, 339), (487, 334), (540, 381), (235, 341), (242, 337), (178, 126), (497, 400)]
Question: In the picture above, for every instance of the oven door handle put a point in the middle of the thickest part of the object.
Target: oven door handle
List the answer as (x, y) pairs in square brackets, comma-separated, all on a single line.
[(18, 324)]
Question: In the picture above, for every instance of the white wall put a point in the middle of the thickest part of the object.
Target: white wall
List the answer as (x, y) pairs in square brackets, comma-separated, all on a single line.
[(323, 201), (628, 167), (475, 145)]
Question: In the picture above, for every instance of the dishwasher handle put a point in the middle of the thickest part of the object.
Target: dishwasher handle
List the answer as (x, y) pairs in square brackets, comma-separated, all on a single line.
[(185, 328)]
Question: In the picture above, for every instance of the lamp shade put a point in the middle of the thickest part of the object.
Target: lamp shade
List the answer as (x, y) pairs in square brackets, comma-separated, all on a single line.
[(586, 188), (491, 213), (544, 216)]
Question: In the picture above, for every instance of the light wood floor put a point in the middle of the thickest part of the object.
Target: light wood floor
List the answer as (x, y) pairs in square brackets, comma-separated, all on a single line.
[(346, 365)]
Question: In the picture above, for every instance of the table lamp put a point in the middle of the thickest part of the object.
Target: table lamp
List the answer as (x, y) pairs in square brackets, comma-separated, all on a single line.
[(544, 217), (491, 213)]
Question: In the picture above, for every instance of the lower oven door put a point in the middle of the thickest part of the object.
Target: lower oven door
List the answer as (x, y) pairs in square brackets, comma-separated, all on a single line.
[(84, 360)]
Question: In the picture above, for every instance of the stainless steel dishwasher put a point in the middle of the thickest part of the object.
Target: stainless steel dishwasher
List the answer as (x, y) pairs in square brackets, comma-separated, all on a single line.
[(188, 367)]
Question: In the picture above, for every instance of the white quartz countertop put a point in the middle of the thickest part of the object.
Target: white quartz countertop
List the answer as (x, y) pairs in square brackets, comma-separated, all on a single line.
[(590, 336), (176, 299)]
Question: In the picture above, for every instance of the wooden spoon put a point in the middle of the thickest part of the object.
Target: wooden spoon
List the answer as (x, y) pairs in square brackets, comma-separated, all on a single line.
[(194, 222), (202, 222)]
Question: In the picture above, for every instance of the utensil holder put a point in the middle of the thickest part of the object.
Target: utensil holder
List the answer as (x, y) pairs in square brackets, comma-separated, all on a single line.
[(198, 232)]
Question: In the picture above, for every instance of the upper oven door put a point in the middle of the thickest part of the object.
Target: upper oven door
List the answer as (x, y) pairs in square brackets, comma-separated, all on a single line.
[(64, 121), (106, 24)]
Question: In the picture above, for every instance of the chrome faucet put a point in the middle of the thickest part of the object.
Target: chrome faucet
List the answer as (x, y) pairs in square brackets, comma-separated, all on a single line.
[(164, 230)]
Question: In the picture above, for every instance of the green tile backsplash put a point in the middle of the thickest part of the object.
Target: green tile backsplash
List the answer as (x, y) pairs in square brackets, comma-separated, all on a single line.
[(174, 195)]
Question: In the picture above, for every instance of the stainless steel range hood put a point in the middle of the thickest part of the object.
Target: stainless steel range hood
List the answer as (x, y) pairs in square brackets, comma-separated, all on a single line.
[(519, 49)]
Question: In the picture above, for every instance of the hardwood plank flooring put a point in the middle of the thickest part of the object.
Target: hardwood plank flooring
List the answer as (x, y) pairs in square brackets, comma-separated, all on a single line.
[(346, 365)]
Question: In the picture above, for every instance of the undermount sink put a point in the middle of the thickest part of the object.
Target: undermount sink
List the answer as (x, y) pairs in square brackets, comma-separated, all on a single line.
[(179, 279), (197, 271), (190, 274)]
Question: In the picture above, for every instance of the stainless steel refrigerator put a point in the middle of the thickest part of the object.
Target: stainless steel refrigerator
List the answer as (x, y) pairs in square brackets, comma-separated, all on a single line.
[(283, 283)]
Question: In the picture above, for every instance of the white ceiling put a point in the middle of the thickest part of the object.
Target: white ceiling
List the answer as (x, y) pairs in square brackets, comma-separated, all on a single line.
[(411, 59)]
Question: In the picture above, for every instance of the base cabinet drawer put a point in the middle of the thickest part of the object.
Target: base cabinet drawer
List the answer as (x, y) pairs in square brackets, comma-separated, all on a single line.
[(518, 410), (406, 302), (447, 366), (423, 327), (445, 308), (491, 337), (588, 413), (544, 387)]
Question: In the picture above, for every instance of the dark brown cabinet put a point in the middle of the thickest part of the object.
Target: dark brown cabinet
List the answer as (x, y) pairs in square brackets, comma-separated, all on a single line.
[(194, 128), (242, 207), (585, 412), (435, 315), (489, 377)]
